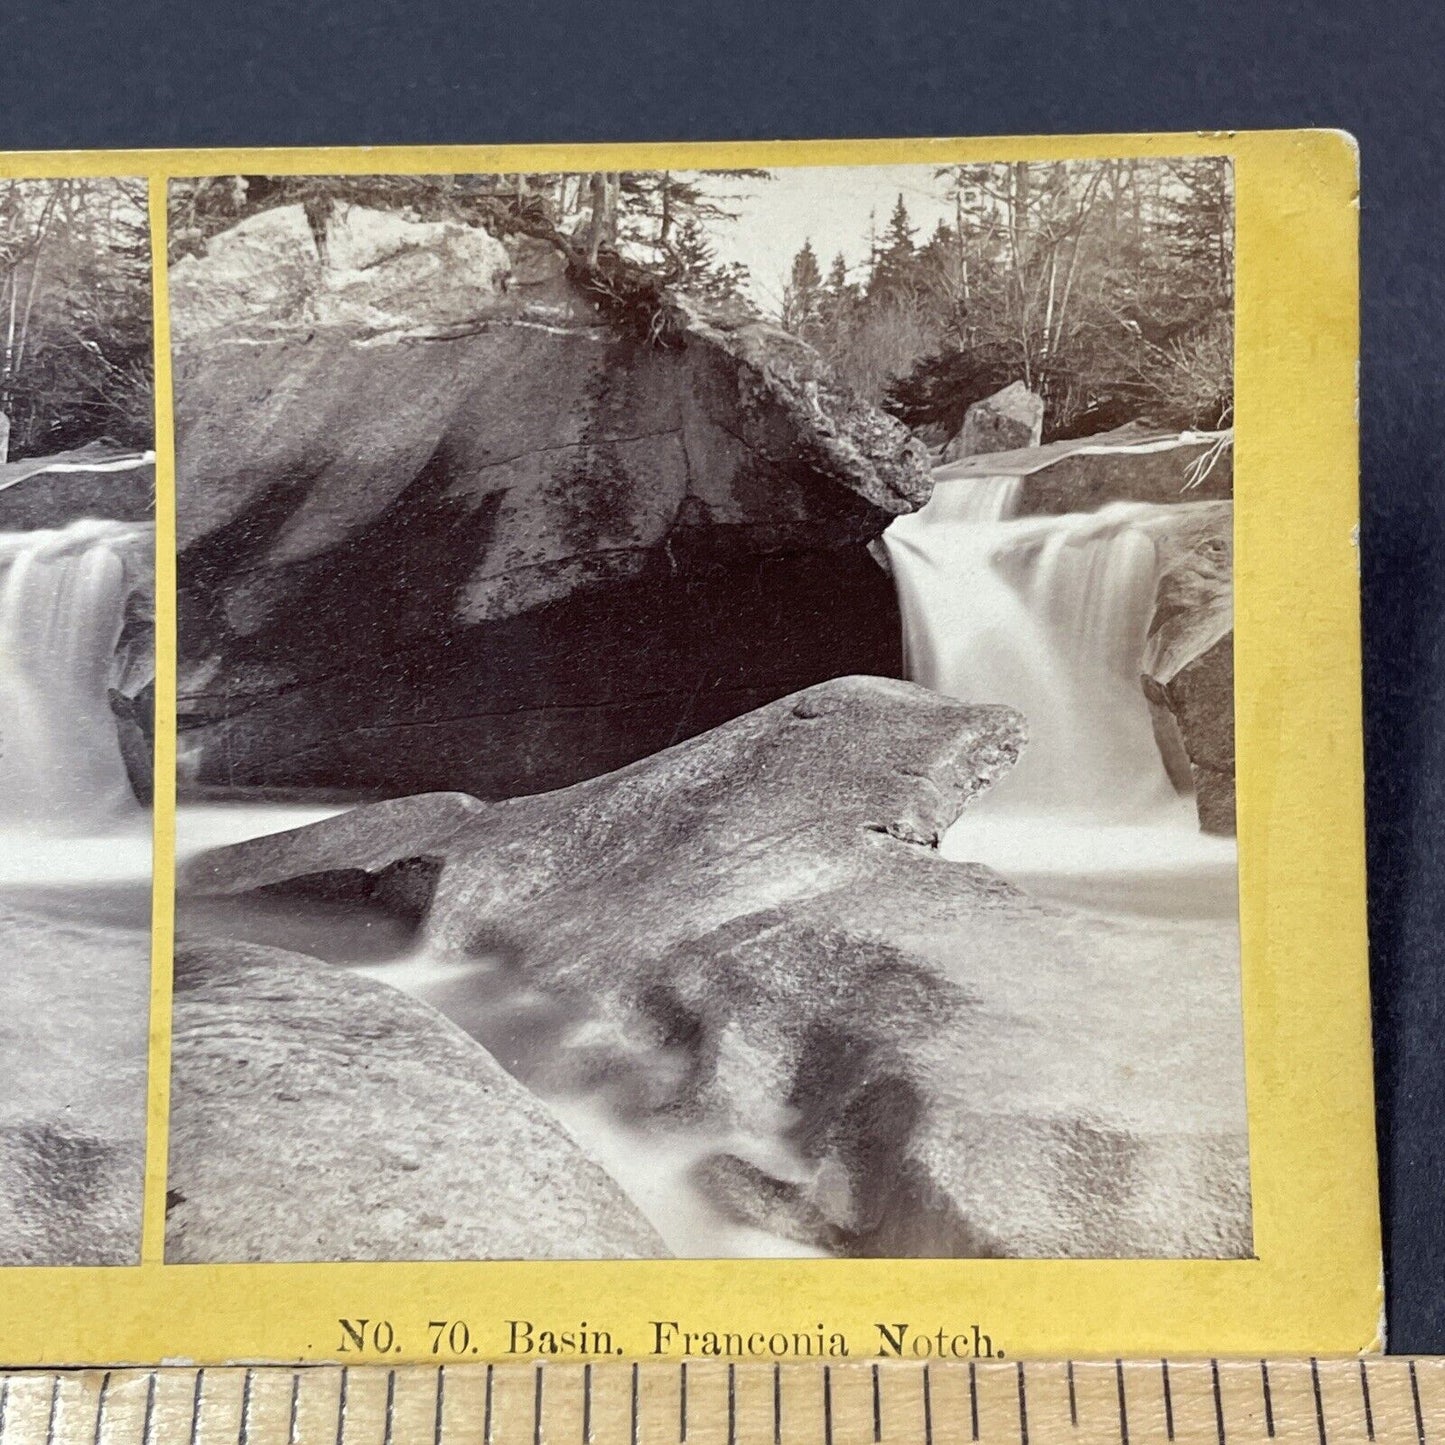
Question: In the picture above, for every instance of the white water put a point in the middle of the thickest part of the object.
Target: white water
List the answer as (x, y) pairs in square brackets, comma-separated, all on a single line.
[(1050, 615), (67, 812), (62, 604)]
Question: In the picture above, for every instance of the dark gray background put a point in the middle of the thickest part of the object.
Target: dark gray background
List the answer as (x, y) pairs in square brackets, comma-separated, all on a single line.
[(83, 73)]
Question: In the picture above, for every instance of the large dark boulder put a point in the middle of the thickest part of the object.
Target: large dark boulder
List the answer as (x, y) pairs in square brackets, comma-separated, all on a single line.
[(1188, 666), (374, 1125), (509, 553), (759, 920)]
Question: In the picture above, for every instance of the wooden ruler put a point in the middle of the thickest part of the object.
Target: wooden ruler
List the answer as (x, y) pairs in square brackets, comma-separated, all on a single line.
[(1320, 1402)]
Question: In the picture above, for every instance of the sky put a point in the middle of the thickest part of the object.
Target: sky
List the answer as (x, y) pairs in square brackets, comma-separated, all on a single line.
[(828, 205)]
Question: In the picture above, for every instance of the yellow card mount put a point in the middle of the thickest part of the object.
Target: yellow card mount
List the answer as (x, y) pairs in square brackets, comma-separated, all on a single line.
[(663, 752)]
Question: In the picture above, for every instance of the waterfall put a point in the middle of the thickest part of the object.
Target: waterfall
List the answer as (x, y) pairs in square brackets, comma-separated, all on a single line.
[(1050, 615), (63, 599)]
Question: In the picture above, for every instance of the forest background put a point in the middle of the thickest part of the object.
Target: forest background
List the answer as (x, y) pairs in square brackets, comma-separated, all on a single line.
[(1105, 286)]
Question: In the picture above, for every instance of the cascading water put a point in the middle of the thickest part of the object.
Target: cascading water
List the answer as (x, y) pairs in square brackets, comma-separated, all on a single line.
[(1050, 615), (63, 596), (1047, 614)]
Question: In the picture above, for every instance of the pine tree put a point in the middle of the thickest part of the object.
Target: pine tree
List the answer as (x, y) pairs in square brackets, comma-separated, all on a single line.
[(894, 258), (803, 295), (697, 272)]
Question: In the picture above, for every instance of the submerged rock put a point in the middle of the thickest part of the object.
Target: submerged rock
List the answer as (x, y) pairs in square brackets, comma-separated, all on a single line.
[(507, 551), (374, 1126), (1003, 422), (763, 911), (1188, 667), (74, 1008)]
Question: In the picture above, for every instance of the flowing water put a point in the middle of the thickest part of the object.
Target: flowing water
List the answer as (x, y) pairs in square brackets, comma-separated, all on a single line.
[(528, 1032), (1046, 614), (1050, 615), (73, 837), (75, 892)]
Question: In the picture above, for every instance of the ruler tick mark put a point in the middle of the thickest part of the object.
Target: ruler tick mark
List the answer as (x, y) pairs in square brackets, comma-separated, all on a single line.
[(487, 1410), (295, 1406), (1168, 1400), (100, 1406), (1319, 1399), (341, 1406), (537, 1409), (1218, 1401), (441, 1405), (389, 1419), (1073, 1399), (927, 1408), (778, 1401), (243, 1435), (199, 1390), (877, 1409), (1268, 1398), (148, 1424), (634, 1405), (54, 1405), (973, 1396), (732, 1405), (5, 1404), (1123, 1403), (150, 1416), (827, 1406), (1365, 1396), (1023, 1407), (682, 1402), (1415, 1397), (587, 1404)]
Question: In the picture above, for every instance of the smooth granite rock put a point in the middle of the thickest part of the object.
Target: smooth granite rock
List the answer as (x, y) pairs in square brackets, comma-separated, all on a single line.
[(319, 1115), (1003, 422), (760, 921), (74, 1027)]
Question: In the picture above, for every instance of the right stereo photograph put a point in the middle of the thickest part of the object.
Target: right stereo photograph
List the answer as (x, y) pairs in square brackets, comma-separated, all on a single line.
[(705, 717)]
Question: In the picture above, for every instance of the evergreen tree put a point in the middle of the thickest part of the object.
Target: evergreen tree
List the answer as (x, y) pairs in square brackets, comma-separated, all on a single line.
[(803, 297), (894, 276), (1106, 286), (696, 271)]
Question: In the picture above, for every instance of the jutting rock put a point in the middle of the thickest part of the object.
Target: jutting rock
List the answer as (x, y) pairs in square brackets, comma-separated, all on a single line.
[(1133, 463), (761, 913), (441, 525), (94, 481), (1004, 422), (1188, 668)]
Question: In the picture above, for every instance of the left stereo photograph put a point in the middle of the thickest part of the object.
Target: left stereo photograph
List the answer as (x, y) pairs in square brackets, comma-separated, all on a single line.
[(77, 689)]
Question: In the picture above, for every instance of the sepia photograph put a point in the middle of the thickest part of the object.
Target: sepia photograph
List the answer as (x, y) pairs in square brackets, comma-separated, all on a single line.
[(705, 718), (77, 689)]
